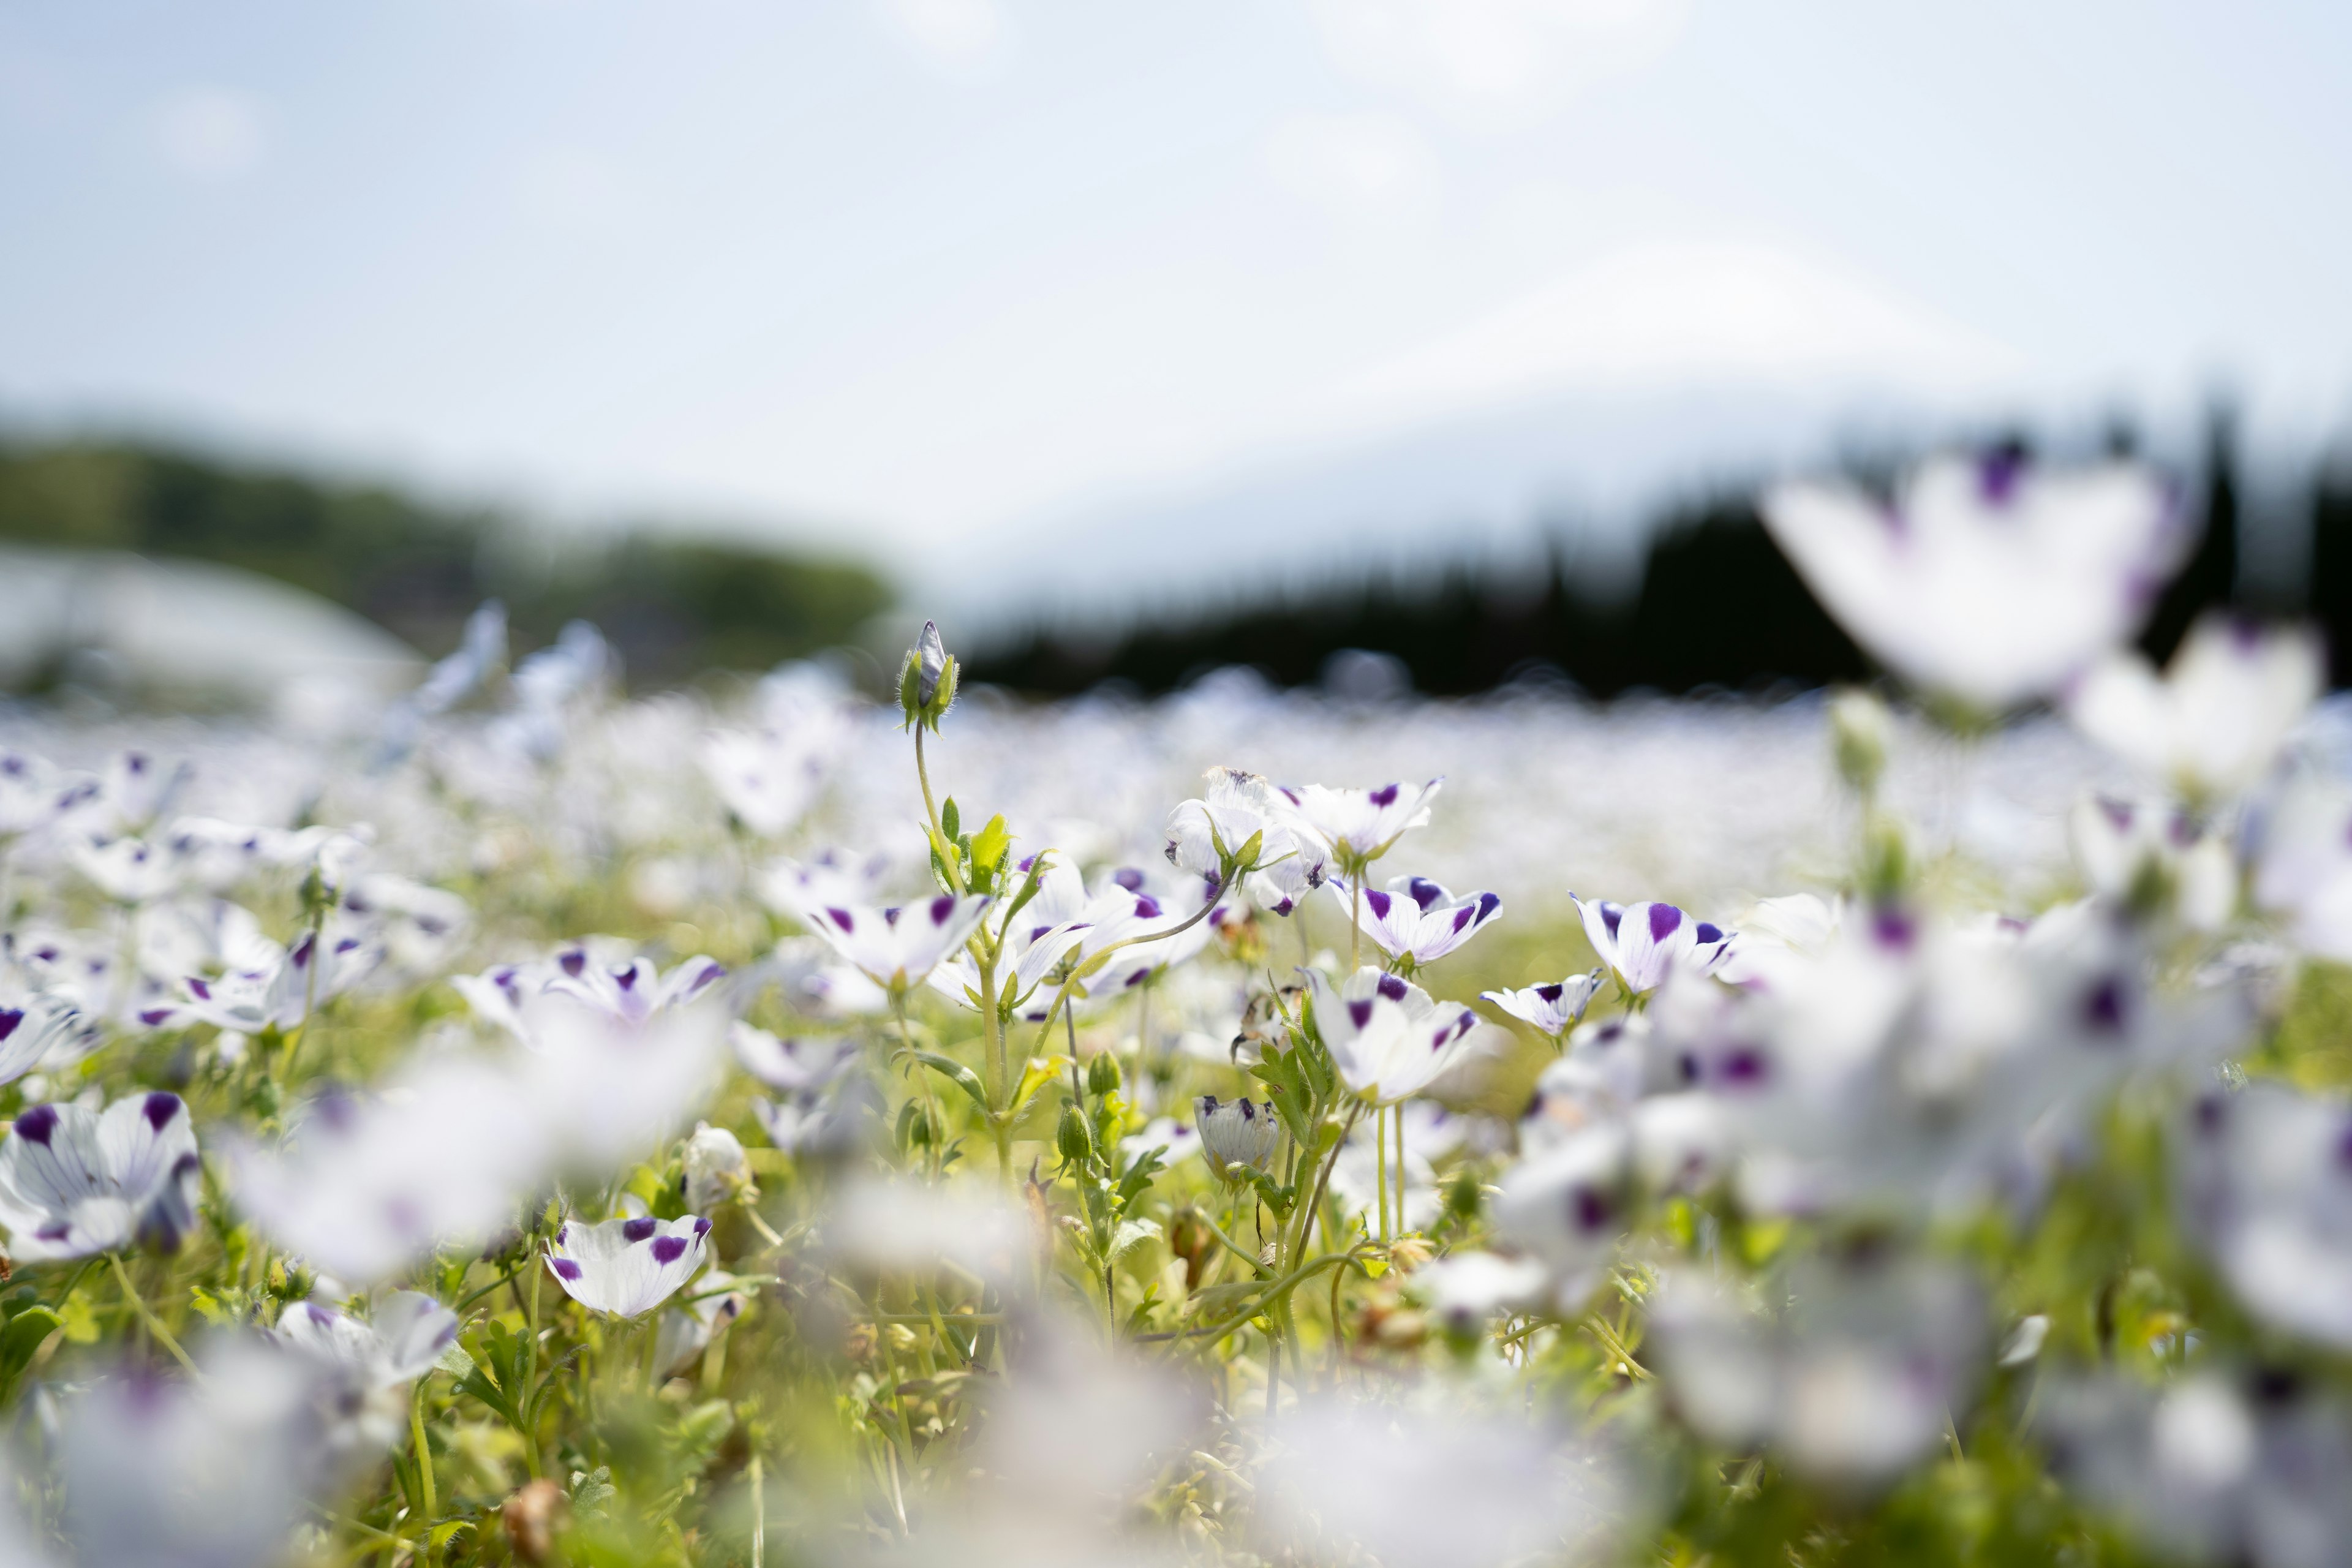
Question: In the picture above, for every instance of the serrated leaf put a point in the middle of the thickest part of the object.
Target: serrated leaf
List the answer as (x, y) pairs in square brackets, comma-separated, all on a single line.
[(443, 1535), (1131, 1235), (955, 1072)]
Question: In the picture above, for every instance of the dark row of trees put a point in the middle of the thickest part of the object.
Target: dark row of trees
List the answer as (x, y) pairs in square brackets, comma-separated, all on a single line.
[(1718, 607), (674, 606)]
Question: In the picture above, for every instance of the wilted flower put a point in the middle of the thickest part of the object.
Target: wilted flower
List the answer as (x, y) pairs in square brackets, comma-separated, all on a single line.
[(1985, 581), (1415, 918), (1552, 1008), (2214, 724), (1236, 1133), (627, 1267), (1642, 945), (74, 1181), (1386, 1037)]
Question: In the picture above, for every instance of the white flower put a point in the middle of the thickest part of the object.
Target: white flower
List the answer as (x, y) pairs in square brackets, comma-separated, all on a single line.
[(533, 1000), (1174, 1140), (367, 1362), (1415, 918), (2267, 1186), (2214, 724), (804, 1065), (74, 1181), (715, 1170), (277, 989), (1388, 1039), (1464, 1289), (1552, 1008), (367, 1186), (1854, 1379), (2303, 864), (31, 1030), (687, 1331), (1642, 944), (1567, 1208), (2129, 852), (1234, 807), (1357, 827), (1986, 580), (771, 776), (896, 946), (627, 1267), (1236, 1133)]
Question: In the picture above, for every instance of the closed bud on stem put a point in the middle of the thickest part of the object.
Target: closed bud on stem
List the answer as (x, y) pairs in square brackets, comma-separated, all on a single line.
[(1071, 1138), (1860, 731), (926, 681), (1102, 1074)]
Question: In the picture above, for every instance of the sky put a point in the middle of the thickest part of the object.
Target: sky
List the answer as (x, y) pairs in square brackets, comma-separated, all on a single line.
[(908, 276)]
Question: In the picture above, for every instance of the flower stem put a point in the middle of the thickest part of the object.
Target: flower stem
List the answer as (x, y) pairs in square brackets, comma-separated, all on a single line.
[(155, 1325)]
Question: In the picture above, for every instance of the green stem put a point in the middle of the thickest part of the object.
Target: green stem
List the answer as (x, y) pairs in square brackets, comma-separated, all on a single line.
[(1380, 1159), (155, 1325), (424, 1454), (531, 1368)]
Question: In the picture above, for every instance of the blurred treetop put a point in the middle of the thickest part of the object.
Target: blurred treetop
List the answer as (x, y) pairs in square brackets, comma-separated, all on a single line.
[(673, 606)]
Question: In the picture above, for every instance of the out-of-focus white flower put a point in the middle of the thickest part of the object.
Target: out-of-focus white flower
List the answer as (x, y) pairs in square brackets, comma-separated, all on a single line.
[(1350, 1479), (2266, 1185), (1130, 905), (1238, 1132), (127, 869), (194, 1475), (687, 1329), (278, 987), (715, 1170), (1355, 827), (530, 1000), (1174, 1140), (419, 927), (2154, 859), (770, 776), (1643, 944), (2217, 1466), (74, 1181), (816, 983), (2214, 724), (1606, 1069), (1415, 918), (1567, 1207), (1208, 833), (367, 1362), (31, 1030), (1386, 1037), (1777, 935), (2303, 863), (627, 1267), (1552, 1008), (367, 1186), (1986, 580), (576, 666), (1466, 1289), (892, 1228), (1853, 1380), (801, 1065)]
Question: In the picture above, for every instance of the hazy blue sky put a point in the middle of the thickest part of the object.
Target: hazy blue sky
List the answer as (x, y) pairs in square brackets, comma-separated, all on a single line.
[(922, 265)]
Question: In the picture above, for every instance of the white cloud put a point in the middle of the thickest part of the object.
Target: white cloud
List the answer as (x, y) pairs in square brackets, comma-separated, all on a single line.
[(210, 132), (961, 37), (1665, 316), (1494, 62), (1367, 167)]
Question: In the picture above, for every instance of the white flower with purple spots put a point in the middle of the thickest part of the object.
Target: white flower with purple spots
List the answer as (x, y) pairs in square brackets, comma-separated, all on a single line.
[(2211, 727), (1386, 1037), (1986, 580), (366, 1364), (31, 1030), (1641, 944), (1416, 919), (527, 999), (277, 987), (1356, 826), (896, 946), (801, 1064), (1236, 1134), (627, 1267), (1551, 1009), (75, 1181), (1213, 836), (1566, 1208)]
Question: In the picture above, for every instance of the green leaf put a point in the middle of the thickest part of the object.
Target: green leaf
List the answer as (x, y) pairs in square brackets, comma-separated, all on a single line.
[(1132, 1235), (24, 1336), (993, 840), (442, 1534), (962, 1076), (951, 819), (81, 1323)]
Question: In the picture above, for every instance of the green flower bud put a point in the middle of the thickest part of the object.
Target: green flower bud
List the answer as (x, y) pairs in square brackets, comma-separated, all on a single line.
[(1102, 1074), (926, 681), (1071, 1138), (1859, 730)]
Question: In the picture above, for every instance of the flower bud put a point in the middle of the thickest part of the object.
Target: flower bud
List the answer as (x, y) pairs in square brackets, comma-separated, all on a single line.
[(1071, 1138), (1860, 731), (926, 682), (1102, 1074)]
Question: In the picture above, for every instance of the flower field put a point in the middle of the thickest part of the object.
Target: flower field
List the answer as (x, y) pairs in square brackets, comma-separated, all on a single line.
[(764, 1125)]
